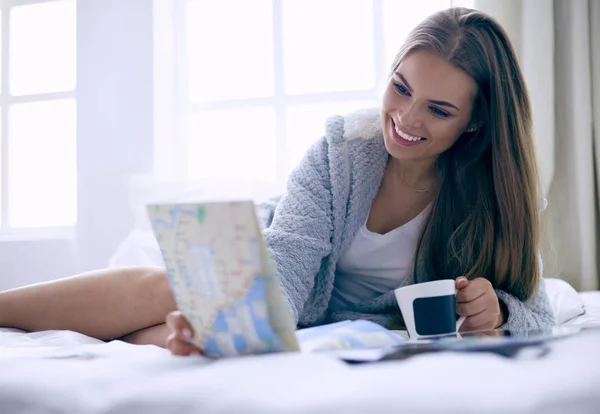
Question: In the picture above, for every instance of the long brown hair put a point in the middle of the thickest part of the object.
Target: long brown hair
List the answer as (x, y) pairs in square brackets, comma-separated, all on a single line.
[(484, 221)]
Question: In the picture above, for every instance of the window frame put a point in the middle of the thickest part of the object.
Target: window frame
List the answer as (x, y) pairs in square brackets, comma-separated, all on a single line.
[(6, 101), (279, 101), (175, 146), (170, 140)]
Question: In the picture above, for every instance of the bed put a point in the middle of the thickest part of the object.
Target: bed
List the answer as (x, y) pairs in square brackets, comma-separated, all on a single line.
[(66, 372)]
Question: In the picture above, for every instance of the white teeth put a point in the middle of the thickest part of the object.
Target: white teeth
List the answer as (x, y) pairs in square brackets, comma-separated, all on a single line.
[(406, 136)]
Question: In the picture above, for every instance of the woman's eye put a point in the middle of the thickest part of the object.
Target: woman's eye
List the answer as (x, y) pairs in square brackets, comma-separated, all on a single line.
[(401, 89), (439, 112)]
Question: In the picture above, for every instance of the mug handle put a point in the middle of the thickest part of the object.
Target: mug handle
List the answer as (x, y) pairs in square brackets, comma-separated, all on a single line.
[(460, 320)]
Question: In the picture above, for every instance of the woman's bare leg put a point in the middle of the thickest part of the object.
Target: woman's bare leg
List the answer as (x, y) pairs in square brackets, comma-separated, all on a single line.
[(154, 335), (104, 304)]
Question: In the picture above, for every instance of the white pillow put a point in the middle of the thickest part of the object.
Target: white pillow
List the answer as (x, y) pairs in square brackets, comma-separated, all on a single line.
[(565, 301), (139, 247)]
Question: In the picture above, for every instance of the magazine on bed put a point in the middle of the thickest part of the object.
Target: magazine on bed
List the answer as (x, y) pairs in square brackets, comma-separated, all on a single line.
[(225, 283)]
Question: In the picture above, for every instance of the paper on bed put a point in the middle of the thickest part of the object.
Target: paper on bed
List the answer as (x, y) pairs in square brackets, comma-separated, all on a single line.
[(346, 335), (222, 277)]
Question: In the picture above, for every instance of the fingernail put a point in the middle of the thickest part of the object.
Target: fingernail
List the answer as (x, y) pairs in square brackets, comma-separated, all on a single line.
[(195, 353), (461, 278), (186, 333)]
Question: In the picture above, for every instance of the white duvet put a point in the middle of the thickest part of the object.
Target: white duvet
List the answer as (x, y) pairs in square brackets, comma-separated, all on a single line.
[(64, 372)]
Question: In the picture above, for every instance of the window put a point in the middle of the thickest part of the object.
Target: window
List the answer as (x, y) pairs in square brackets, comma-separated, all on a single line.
[(38, 183), (257, 79)]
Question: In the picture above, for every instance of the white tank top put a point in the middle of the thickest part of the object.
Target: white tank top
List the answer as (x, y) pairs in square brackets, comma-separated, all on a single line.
[(375, 263)]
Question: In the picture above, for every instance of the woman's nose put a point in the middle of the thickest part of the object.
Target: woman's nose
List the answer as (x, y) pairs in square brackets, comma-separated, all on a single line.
[(409, 116)]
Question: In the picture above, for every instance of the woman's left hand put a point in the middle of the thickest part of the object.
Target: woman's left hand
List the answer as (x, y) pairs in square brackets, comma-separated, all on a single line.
[(477, 300)]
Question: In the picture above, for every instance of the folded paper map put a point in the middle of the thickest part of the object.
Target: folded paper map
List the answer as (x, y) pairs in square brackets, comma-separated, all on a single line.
[(222, 278)]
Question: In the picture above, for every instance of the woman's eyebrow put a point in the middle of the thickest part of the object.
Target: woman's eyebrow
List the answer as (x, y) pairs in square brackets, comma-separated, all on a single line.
[(441, 103)]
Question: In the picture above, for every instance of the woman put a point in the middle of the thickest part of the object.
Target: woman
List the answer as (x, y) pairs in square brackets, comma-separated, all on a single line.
[(440, 183)]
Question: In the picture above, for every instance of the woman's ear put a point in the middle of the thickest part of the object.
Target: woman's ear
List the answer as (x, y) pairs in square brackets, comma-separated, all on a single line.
[(474, 126)]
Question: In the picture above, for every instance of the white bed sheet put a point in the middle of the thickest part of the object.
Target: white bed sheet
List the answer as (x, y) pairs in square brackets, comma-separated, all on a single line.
[(81, 375), (123, 378), (65, 372)]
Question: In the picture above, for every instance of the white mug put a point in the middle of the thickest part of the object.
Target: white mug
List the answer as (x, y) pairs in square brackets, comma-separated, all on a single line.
[(429, 309)]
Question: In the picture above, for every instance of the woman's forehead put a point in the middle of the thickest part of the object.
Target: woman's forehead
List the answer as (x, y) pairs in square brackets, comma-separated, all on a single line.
[(433, 77)]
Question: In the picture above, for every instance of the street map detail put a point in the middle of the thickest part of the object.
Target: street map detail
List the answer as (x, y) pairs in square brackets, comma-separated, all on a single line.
[(222, 277)]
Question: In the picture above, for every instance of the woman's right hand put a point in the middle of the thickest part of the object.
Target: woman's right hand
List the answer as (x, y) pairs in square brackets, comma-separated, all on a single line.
[(181, 333)]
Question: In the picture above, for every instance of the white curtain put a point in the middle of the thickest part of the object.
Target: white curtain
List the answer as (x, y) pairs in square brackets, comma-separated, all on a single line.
[(558, 43)]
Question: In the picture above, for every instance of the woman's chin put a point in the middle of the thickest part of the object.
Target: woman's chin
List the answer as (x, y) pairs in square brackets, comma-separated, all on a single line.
[(399, 152)]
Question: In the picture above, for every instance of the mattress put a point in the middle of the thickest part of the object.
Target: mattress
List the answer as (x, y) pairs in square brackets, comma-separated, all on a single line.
[(66, 372)]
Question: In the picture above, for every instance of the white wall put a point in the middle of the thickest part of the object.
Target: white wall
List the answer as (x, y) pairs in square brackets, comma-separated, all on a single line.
[(115, 120), (26, 262)]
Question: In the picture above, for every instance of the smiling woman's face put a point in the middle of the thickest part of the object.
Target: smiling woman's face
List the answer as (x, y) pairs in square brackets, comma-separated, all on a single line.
[(426, 107)]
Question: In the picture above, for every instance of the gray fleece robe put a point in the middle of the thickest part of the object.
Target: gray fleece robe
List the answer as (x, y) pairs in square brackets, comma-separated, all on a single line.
[(328, 199)]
